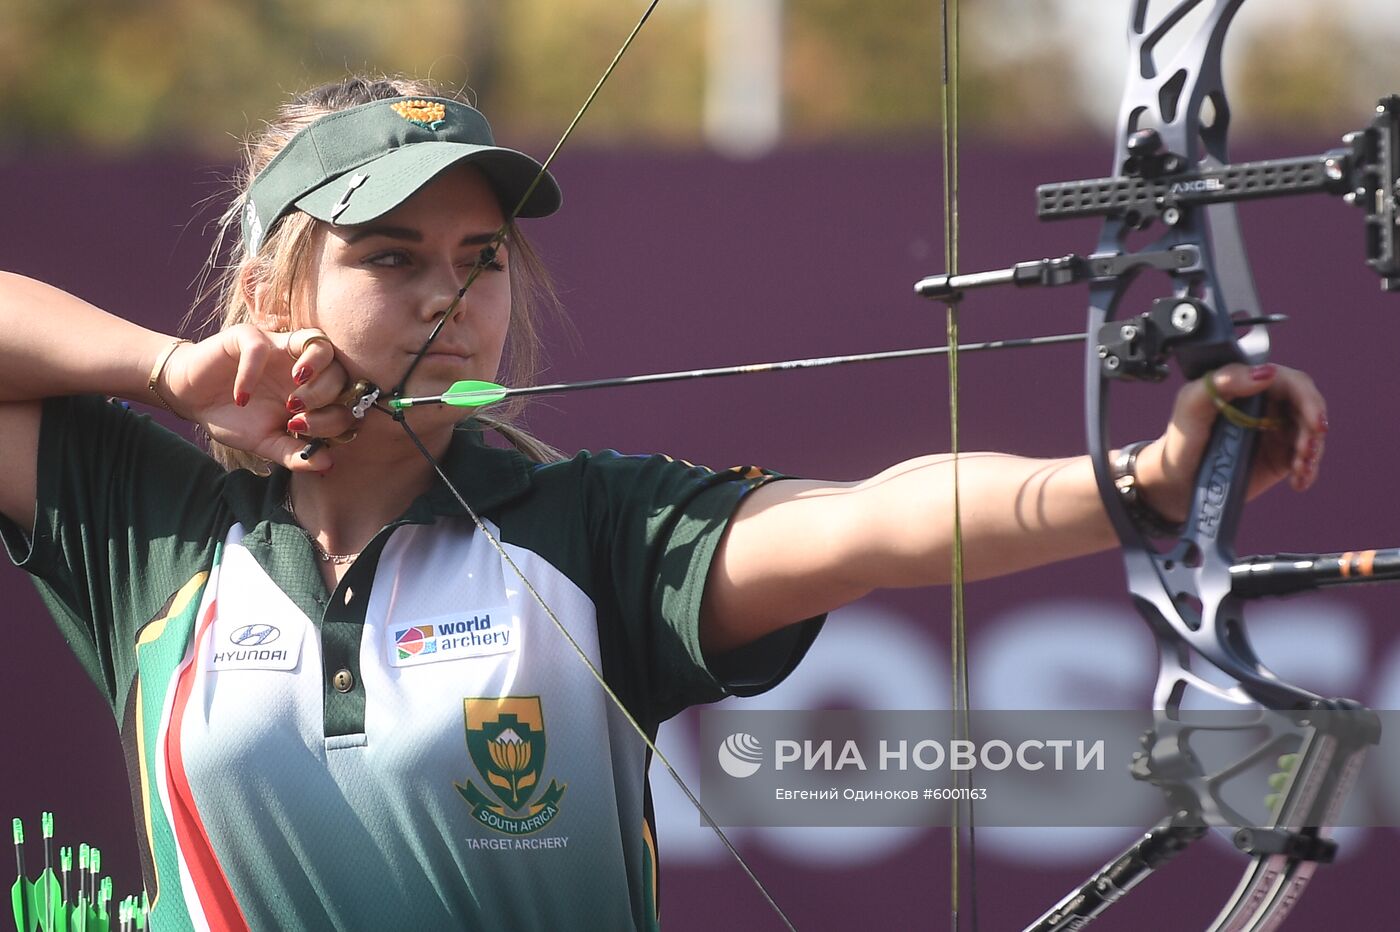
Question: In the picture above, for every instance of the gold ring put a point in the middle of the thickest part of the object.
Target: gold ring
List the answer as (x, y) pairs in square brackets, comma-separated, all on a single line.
[(306, 341), (359, 398), (353, 393), (1233, 414)]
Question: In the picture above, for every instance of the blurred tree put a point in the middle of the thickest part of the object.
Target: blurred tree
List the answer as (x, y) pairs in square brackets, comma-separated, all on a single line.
[(851, 72), (553, 53), (119, 74), (1305, 73)]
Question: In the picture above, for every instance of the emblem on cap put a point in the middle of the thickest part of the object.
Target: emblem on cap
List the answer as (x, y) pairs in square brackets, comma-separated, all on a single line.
[(424, 113), (253, 239)]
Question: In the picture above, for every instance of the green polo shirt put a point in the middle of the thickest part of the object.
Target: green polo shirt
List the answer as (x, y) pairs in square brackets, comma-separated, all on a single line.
[(423, 747)]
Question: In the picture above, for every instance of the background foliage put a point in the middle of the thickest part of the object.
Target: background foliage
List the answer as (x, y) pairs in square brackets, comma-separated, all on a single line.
[(195, 74)]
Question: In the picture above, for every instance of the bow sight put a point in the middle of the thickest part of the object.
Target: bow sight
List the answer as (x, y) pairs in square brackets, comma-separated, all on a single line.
[(1157, 185)]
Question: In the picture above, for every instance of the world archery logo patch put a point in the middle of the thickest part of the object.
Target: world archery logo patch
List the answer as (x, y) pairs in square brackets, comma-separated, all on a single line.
[(424, 113), (506, 741), (414, 641), (462, 635)]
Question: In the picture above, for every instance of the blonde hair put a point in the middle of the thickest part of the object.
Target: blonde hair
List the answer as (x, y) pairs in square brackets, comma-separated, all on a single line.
[(281, 262)]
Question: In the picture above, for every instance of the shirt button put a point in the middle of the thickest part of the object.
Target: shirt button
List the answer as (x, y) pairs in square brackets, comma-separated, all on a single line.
[(343, 681)]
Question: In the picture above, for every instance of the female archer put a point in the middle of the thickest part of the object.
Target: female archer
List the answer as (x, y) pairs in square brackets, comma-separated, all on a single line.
[(294, 637)]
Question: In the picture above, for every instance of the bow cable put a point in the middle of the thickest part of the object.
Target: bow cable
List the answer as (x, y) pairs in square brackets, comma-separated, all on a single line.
[(488, 252)]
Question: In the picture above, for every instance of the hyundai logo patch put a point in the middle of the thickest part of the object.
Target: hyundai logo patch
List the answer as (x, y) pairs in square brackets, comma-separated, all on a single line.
[(255, 635)]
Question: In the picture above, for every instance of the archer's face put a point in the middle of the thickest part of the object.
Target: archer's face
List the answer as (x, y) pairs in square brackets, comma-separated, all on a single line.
[(381, 287)]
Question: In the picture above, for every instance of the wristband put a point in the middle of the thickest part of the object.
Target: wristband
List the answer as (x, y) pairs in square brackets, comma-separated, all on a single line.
[(1123, 469)]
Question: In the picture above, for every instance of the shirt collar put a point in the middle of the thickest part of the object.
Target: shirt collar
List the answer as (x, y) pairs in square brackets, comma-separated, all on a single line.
[(486, 476)]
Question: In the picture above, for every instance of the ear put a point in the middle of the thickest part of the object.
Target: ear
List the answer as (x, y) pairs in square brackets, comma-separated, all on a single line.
[(265, 310)]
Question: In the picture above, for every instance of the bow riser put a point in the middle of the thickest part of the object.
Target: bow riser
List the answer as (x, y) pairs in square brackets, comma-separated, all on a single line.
[(1185, 593), (1173, 93)]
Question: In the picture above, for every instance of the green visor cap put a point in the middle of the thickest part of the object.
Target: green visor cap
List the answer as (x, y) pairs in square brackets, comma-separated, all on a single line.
[(352, 166)]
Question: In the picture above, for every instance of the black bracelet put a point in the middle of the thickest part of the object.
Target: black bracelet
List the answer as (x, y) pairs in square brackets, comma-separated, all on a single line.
[(1123, 469)]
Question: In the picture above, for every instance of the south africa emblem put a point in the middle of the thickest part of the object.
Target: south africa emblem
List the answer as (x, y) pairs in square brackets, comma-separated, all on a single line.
[(428, 114), (506, 741)]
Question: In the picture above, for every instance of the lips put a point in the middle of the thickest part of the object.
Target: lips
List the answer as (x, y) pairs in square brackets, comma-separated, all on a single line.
[(447, 351)]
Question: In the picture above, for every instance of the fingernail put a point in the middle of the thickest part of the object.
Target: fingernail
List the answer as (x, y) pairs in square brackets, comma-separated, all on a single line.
[(295, 406), (1312, 448), (1260, 373), (241, 399), (297, 425), (302, 375), (1323, 425)]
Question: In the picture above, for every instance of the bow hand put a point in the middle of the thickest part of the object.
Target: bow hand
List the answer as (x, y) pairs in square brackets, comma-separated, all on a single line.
[(1166, 469)]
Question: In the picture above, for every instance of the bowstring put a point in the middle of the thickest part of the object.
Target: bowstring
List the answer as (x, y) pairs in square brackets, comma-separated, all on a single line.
[(487, 254), (961, 695), (597, 674)]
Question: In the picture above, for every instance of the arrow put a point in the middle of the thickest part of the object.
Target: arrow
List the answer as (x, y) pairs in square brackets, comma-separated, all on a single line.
[(472, 394), (46, 890)]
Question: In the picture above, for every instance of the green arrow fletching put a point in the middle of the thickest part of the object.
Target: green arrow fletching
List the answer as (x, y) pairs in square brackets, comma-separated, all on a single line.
[(22, 902), (48, 900), (468, 393), (473, 394)]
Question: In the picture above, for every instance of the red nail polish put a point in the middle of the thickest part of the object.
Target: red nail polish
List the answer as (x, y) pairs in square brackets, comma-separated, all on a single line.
[(295, 406), (241, 399), (297, 425), (302, 375), (1323, 426), (1260, 373)]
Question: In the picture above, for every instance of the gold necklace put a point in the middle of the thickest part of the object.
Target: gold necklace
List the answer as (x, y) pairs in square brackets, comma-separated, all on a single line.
[(336, 559)]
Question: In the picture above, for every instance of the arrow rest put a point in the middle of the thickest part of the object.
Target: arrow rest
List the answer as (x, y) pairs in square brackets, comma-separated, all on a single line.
[(1139, 348)]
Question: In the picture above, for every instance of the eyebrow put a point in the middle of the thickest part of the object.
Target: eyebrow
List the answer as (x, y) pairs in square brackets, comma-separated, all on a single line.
[(411, 235)]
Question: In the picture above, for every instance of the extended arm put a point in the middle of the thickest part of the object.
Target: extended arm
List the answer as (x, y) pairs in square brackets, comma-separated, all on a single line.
[(800, 548)]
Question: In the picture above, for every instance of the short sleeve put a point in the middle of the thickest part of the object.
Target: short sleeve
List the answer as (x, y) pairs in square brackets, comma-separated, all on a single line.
[(657, 524), (126, 513)]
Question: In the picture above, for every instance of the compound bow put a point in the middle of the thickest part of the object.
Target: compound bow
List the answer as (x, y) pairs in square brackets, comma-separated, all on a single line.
[(1172, 168)]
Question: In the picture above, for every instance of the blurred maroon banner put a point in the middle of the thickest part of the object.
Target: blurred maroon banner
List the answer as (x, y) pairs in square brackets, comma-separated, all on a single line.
[(682, 261)]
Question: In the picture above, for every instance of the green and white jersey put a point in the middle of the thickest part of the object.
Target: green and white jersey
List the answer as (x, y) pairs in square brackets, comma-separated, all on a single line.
[(420, 748)]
